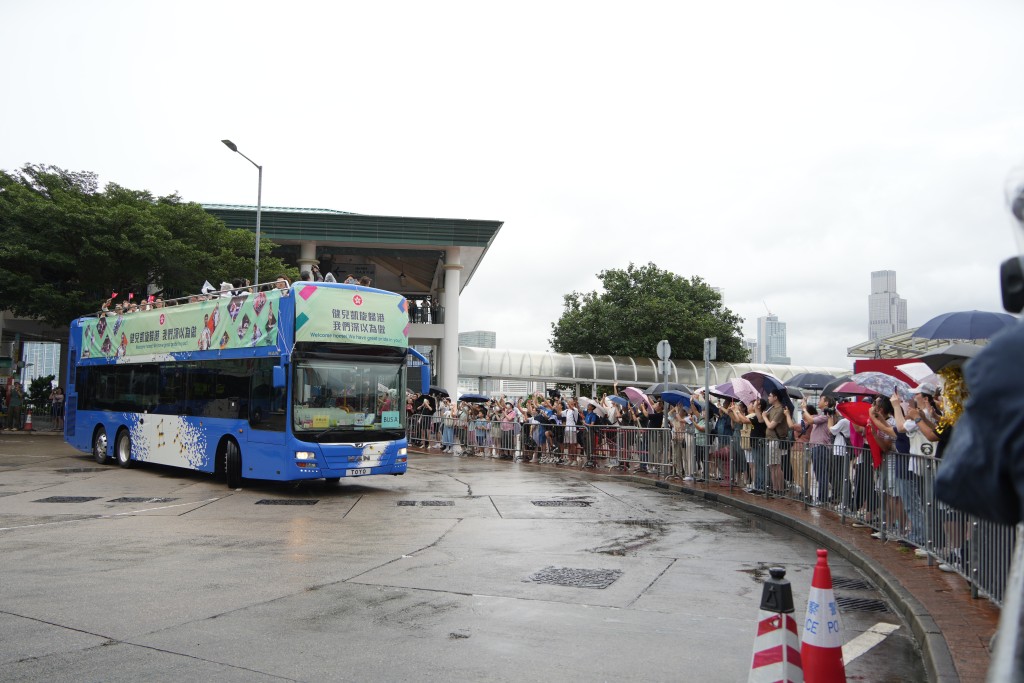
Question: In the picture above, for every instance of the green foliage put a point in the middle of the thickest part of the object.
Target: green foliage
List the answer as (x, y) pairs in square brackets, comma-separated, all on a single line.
[(39, 392), (65, 246), (641, 306)]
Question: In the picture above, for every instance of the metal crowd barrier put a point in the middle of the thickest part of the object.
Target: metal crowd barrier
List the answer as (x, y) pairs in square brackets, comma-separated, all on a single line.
[(896, 500)]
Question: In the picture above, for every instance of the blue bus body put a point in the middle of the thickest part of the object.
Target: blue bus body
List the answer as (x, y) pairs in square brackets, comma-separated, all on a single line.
[(289, 384)]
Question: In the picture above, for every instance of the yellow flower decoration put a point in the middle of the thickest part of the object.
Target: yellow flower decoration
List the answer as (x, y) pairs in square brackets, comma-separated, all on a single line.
[(954, 393)]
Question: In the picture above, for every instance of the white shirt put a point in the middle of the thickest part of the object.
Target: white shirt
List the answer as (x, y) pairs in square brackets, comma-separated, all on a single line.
[(841, 436)]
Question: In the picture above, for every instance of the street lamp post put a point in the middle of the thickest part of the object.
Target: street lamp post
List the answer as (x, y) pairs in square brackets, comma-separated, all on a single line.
[(259, 205)]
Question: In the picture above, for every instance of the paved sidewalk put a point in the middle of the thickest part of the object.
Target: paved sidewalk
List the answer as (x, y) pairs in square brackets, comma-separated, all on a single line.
[(953, 629)]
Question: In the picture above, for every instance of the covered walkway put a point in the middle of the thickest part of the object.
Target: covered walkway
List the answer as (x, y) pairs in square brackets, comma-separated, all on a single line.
[(588, 370)]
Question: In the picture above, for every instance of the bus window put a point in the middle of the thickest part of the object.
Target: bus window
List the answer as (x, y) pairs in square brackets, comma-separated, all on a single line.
[(266, 403)]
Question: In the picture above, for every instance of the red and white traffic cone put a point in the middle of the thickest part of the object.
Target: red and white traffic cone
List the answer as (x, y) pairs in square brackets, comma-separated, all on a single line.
[(28, 420), (777, 644), (822, 647)]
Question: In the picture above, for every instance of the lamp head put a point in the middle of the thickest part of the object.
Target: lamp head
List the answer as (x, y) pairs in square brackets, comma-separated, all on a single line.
[(230, 145)]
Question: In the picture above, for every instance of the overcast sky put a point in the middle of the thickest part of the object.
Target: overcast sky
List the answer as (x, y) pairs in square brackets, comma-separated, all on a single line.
[(782, 151)]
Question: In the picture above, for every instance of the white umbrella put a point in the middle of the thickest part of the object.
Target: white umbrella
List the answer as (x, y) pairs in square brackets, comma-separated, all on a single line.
[(587, 402), (920, 373)]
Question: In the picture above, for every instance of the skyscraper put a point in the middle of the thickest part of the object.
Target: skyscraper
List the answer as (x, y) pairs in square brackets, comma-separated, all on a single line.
[(481, 339), (771, 340), (887, 312)]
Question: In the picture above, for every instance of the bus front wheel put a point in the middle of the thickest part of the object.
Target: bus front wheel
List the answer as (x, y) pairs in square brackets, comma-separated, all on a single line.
[(233, 465), (99, 446), (124, 449)]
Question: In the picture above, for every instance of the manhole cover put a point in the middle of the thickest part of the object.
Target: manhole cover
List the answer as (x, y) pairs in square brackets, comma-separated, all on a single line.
[(561, 503), (576, 578), (142, 500), (67, 499), (285, 501), (861, 605), (74, 470), (645, 523), (849, 584), (427, 503)]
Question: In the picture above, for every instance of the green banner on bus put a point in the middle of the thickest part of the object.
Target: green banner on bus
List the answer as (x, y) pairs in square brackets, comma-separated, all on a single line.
[(331, 314), (221, 322)]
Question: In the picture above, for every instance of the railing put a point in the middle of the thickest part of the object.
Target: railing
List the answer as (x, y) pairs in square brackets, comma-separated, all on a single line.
[(896, 500)]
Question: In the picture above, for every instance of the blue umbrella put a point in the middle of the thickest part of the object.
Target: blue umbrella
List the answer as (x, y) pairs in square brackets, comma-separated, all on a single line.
[(673, 397), (965, 325), (619, 401)]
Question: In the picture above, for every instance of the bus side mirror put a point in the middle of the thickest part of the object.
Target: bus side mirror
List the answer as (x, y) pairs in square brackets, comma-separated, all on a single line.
[(279, 377)]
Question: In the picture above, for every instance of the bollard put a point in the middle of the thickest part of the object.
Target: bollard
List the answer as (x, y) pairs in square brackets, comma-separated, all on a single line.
[(777, 645)]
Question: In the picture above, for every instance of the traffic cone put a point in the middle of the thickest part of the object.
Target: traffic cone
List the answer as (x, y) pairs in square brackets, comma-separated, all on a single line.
[(822, 647), (28, 420), (776, 646)]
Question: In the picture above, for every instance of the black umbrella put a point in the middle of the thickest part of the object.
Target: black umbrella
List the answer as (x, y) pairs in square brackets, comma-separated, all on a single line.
[(812, 381), (793, 392), (474, 398), (437, 391), (831, 386), (661, 387)]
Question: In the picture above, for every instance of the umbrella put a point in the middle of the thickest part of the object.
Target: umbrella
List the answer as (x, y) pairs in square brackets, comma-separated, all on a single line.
[(660, 387), (764, 383), (813, 381), (919, 372), (619, 401), (849, 388), (636, 397), (883, 384), (738, 388), (793, 392), (474, 398), (830, 387), (950, 356), (857, 413), (588, 402), (437, 391), (673, 397), (965, 325)]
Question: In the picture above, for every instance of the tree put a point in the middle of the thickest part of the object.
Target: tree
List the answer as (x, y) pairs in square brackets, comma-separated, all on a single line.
[(641, 306), (39, 392), (65, 246)]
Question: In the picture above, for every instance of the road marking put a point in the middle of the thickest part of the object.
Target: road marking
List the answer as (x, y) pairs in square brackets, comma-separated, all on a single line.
[(118, 514), (867, 640)]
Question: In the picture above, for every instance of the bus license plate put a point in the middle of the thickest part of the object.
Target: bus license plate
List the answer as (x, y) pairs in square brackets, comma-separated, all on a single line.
[(356, 473)]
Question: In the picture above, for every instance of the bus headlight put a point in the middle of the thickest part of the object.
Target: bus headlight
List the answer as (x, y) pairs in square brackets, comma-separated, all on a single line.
[(305, 455)]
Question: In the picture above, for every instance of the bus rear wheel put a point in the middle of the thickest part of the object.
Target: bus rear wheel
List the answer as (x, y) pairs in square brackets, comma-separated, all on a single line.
[(232, 465), (123, 449), (99, 446)]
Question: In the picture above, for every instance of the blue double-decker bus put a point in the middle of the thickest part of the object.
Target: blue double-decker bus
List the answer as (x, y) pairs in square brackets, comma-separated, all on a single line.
[(280, 383)]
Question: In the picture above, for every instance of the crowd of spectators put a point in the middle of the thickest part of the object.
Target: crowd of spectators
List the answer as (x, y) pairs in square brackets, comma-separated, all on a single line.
[(768, 445)]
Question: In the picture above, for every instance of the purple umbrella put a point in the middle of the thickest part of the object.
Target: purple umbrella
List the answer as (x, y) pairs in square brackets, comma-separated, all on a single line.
[(738, 388)]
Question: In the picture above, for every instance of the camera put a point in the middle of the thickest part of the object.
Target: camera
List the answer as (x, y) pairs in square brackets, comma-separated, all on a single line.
[(830, 411)]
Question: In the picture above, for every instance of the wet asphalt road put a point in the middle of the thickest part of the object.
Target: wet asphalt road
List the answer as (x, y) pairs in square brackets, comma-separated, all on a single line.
[(168, 575)]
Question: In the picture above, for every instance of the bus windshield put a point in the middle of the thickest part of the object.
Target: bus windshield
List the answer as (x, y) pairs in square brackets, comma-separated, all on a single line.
[(348, 396)]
